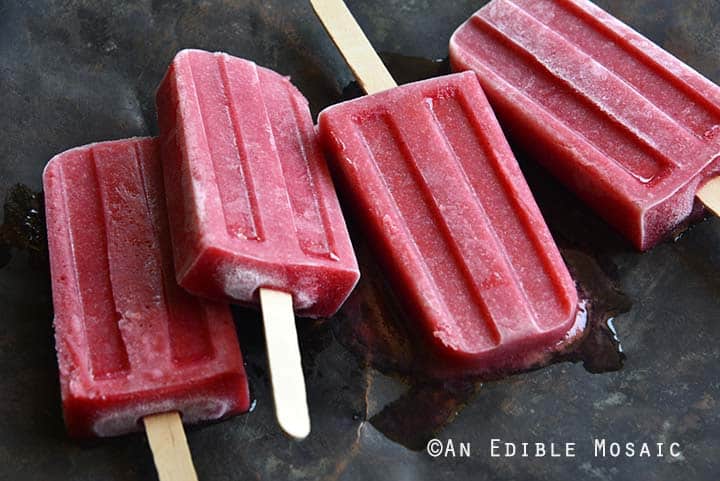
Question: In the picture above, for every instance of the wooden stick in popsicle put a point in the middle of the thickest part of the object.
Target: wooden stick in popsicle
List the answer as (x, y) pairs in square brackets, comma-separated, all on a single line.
[(354, 46), (283, 351), (709, 195), (169, 447)]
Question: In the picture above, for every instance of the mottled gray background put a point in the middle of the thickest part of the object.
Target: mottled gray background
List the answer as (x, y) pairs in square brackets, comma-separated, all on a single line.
[(73, 72)]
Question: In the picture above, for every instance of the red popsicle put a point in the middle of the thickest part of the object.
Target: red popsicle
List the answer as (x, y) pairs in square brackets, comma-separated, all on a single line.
[(252, 203), (253, 212), (130, 342), (630, 128), (430, 176)]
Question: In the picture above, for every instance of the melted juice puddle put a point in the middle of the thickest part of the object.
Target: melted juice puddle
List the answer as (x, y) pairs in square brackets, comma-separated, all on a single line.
[(373, 327), (23, 228)]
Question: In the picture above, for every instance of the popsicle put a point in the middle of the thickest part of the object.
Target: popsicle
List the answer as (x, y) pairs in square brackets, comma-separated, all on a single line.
[(132, 346), (447, 211), (632, 130), (253, 213)]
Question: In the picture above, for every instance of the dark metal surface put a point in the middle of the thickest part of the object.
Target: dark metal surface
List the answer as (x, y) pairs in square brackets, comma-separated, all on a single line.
[(73, 72)]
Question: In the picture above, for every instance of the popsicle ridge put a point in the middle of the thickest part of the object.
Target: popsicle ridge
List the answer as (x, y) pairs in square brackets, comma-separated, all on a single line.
[(303, 174), (100, 319), (640, 128), (640, 155), (507, 202), (237, 193), (252, 201), (187, 326), (138, 300), (691, 110), (410, 219), (129, 344), (632, 106), (456, 227)]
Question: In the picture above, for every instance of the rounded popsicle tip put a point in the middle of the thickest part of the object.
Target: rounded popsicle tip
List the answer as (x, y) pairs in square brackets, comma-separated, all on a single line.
[(295, 422)]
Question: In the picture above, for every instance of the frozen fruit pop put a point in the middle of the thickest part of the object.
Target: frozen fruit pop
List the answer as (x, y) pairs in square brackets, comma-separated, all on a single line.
[(253, 212), (252, 203), (130, 342), (445, 206), (632, 130)]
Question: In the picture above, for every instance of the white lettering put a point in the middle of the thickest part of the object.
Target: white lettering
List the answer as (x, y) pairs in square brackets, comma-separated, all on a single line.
[(494, 447), (599, 447), (510, 450), (629, 450), (450, 448), (675, 450), (602, 448), (570, 450), (660, 450)]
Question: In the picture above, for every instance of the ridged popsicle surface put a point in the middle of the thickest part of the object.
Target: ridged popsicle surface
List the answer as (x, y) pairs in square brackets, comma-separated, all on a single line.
[(631, 129), (429, 173), (251, 201), (130, 341)]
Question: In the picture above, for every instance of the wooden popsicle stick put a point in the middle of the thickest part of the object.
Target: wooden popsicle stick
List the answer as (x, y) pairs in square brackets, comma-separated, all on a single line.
[(709, 195), (354, 46), (286, 375), (169, 446)]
